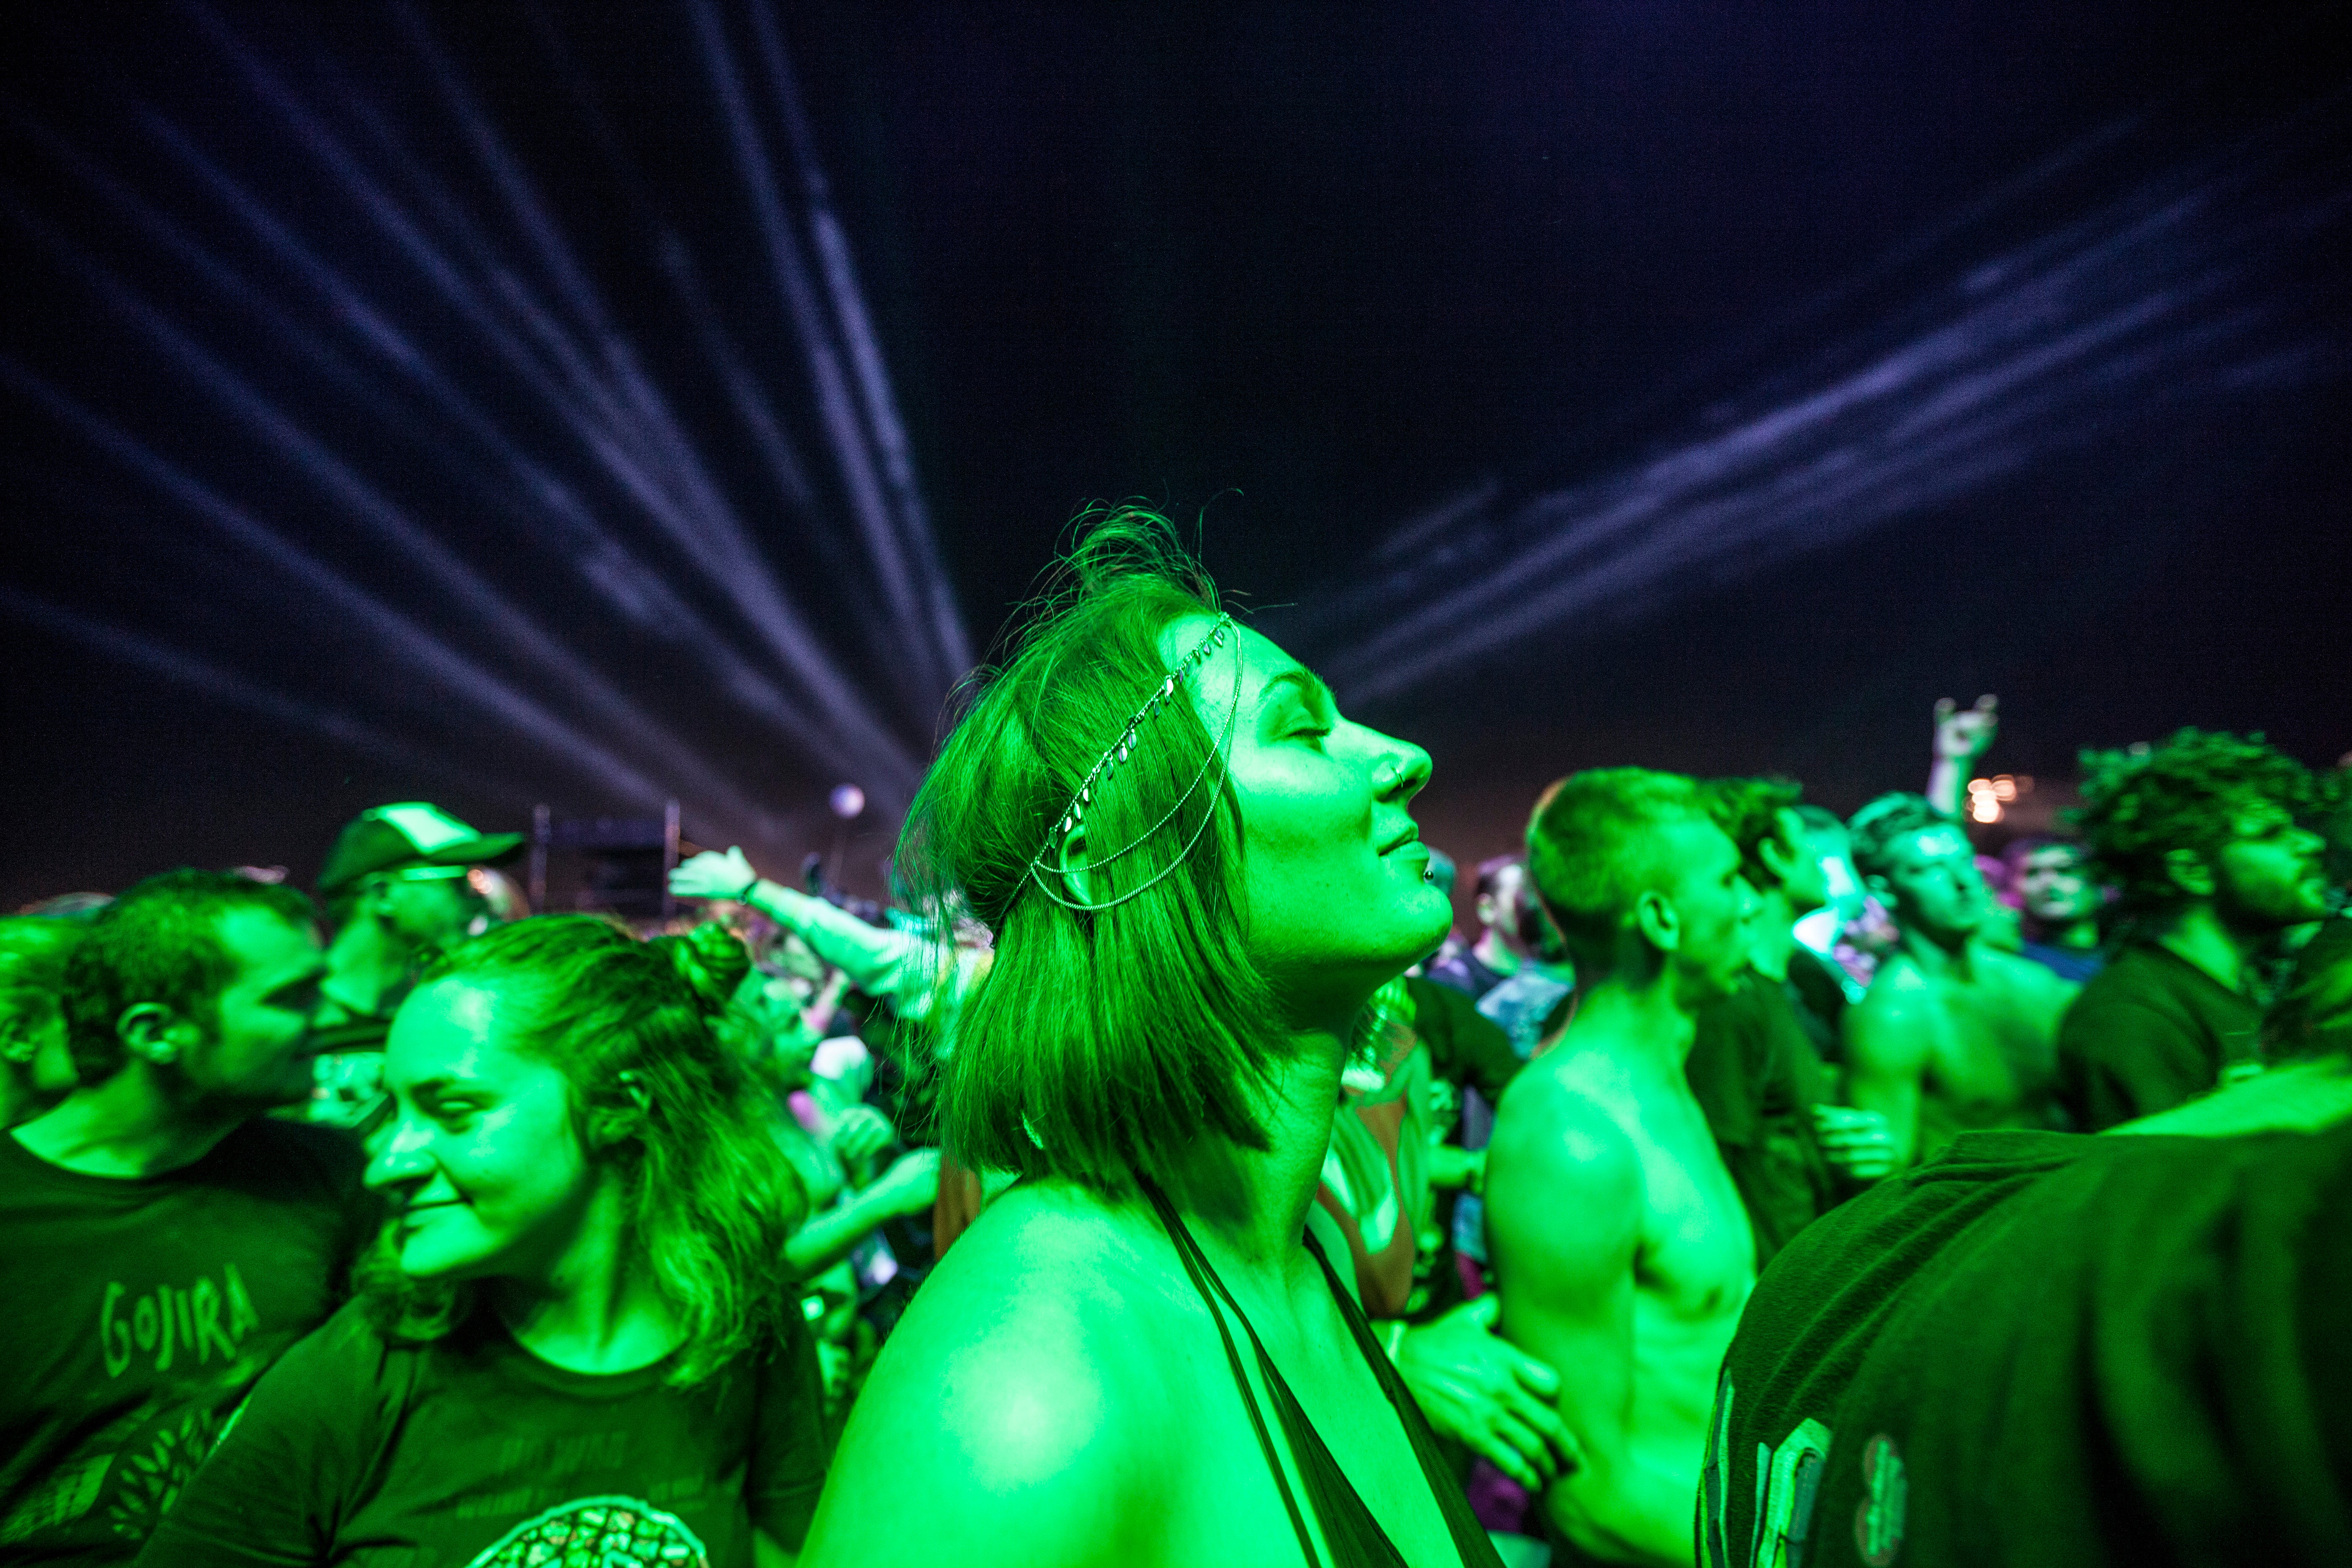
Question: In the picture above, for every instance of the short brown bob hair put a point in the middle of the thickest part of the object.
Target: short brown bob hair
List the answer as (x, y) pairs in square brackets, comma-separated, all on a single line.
[(1100, 1045)]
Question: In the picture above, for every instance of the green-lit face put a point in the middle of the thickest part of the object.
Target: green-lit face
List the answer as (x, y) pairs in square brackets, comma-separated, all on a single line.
[(1713, 905), (1333, 868), (486, 1171), (2054, 887), (33, 1042), (1933, 880), (1807, 880), (432, 912), (258, 1054), (2270, 874)]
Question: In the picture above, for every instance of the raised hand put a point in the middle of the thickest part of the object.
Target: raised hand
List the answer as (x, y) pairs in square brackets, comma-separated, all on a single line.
[(861, 1132), (712, 875), (1489, 1394), (1966, 734)]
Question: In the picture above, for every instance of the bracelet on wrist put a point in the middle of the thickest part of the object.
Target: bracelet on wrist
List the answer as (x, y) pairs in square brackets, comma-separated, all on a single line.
[(750, 887)]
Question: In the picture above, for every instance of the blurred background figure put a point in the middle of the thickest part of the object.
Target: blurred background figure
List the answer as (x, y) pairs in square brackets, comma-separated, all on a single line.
[(403, 884), (36, 1068), (2060, 902), (2198, 834), (1955, 1033)]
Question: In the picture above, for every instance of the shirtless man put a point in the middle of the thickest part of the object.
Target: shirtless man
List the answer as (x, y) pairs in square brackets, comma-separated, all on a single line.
[(1956, 1035), (1620, 1246)]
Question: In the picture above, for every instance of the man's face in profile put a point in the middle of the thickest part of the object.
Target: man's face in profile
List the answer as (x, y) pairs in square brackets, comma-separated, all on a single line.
[(1714, 906), (2270, 874), (1933, 881), (257, 1051)]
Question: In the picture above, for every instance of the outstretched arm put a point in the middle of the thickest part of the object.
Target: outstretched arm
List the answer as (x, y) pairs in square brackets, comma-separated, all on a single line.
[(1563, 1218), (876, 960)]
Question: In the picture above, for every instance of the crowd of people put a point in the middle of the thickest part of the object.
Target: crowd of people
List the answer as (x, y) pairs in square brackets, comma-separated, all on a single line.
[(1162, 1178)]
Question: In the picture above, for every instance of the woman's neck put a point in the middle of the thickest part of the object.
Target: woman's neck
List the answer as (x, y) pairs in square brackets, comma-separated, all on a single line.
[(1248, 1206), (596, 1309)]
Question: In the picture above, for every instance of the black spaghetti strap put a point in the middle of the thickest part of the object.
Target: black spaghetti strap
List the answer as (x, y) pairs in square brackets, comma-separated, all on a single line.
[(1187, 1252)]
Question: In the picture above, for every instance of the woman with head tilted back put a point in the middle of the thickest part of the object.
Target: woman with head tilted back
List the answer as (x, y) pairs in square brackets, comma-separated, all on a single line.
[(1197, 873), (574, 1341)]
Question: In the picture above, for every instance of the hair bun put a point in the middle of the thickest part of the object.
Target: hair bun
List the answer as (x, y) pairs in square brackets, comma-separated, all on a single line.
[(712, 961)]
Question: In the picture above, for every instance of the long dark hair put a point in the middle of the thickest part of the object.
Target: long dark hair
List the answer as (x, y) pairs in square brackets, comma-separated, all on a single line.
[(656, 1097)]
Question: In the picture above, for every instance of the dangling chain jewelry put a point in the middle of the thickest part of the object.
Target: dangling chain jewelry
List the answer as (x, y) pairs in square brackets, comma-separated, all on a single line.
[(1220, 751)]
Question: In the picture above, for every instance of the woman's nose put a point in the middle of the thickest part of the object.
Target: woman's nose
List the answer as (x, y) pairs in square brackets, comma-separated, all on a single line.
[(402, 1159)]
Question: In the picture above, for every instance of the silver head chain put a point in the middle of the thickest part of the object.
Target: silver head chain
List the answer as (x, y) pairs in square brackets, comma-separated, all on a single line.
[(1220, 751)]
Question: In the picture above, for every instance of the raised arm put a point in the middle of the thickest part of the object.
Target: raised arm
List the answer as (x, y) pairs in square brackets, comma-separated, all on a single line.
[(878, 962), (1886, 1055), (1563, 1220), (1963, 735)]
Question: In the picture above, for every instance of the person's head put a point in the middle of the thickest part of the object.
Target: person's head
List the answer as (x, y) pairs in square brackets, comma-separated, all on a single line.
[(1499, 898), (557, 1081), (419, 875), (206, 982), (1921, 867), (1776, 851), (1832, 847), (2054, 881), (1638, 879), (1175, 906), (2208, 818), (33, 1051)]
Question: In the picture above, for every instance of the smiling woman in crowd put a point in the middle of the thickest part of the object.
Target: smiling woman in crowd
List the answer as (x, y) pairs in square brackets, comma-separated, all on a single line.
[(574, 1340), (1197, 873)]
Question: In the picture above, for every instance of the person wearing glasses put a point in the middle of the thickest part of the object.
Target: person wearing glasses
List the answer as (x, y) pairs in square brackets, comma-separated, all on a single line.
[(403, 884)]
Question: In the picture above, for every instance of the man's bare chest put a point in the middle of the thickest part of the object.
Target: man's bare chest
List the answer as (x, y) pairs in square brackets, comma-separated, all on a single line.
[(1988, 1052), (1697, 1255)]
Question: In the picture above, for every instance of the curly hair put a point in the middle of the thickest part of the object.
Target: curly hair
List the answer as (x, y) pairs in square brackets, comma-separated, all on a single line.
[(2141, 803), (708, 1198), (1748, 811)]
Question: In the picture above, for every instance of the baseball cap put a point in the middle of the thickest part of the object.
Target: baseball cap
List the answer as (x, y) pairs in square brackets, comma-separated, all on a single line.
[(411, 833)]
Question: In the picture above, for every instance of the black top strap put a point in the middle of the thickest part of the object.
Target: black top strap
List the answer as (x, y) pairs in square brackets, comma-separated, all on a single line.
[(1188, 1252)]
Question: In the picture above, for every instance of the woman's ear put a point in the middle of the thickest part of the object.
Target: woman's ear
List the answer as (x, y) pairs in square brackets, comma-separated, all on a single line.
[(1070, 863)]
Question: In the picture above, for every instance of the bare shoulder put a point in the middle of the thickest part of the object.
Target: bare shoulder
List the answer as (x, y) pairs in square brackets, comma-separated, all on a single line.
[(1559, 1129), (2037, 985), (1881, 1030), (1021, 1385), (1565, 1191)]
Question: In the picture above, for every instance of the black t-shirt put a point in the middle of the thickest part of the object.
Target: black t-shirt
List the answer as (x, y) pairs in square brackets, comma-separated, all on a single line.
[(139, 1313), (1465, 1047), (1753, 1071), (2045, 1348), (470, 1450), (2149, 1031)]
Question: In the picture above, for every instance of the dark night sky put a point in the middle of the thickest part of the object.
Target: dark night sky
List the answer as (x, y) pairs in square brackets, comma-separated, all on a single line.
[(1301, 271)]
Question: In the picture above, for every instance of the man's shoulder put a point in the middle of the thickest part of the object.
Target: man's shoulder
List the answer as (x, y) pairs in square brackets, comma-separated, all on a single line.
[(2143, 986), (1566, 1116)]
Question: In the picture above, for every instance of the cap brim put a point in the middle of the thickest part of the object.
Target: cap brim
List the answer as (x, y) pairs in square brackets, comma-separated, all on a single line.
[(489, 849)]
